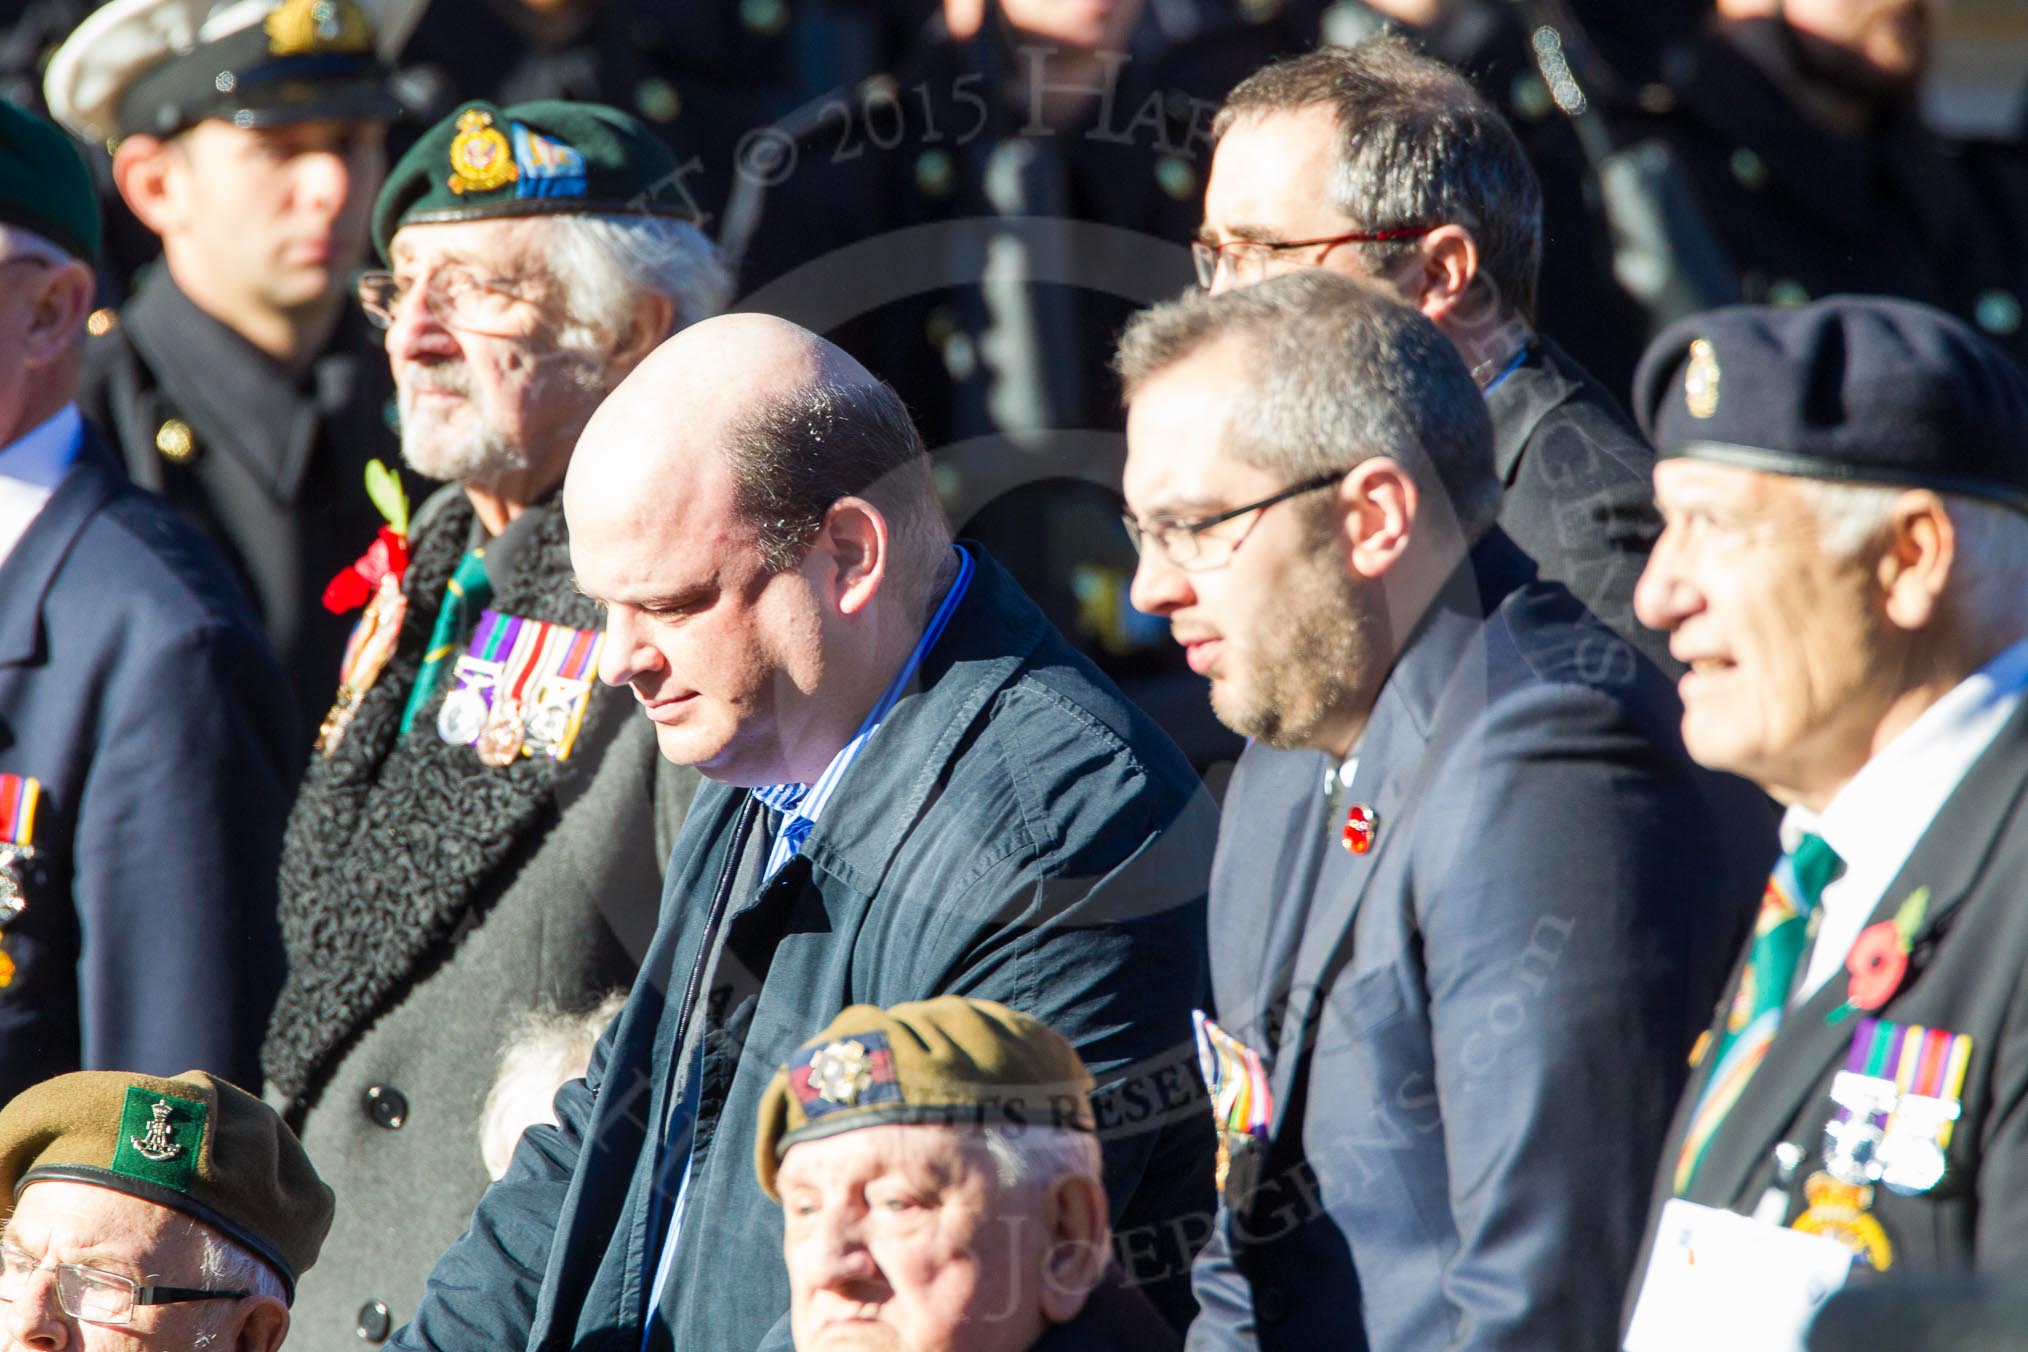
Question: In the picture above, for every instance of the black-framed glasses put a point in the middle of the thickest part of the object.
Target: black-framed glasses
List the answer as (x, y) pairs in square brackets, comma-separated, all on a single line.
[(1185, 544), (93, 1294), (459, 298), (1246, 260)]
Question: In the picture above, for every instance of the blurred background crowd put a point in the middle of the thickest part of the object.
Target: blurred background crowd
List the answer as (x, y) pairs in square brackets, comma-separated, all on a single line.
[(973, 196)]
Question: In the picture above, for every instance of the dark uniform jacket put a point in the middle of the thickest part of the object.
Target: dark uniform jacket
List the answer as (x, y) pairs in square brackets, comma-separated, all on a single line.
[(1013, 831), (1580, 494), (1804, 213), (269, 466), (1115, 1318), (1470, 1028), (1964, 976), (428, 901), (136, 687)]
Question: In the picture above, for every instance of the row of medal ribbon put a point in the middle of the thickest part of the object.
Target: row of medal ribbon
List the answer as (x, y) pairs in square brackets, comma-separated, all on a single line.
[(20, 796), (522, 688)]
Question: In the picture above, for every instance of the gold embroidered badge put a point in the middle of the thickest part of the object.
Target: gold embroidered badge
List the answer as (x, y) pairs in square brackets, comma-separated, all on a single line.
[(319, 28), (481, 159)]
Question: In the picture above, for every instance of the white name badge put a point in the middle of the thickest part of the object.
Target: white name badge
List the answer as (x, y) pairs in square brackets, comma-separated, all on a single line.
[(1717, 1279)]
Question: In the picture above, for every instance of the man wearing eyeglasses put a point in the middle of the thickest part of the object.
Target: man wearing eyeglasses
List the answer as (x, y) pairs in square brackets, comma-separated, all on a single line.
[(151, 1215), (1472, 900), (1382, 163), (237, 381), (481, 830)]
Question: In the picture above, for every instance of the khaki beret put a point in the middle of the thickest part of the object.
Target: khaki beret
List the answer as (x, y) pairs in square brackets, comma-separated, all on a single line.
[(948, 1061), (194, 1144)]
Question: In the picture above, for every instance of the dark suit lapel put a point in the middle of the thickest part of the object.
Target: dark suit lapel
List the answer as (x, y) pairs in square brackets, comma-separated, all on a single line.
[(1948, 860), (32, 565), (1518, 405), (1398, 752)]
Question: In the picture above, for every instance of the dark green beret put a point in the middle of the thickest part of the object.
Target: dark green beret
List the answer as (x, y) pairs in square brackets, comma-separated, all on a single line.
[(948, 1061), (1856, 388), (194, 1144), (534, 158), (44, 185)]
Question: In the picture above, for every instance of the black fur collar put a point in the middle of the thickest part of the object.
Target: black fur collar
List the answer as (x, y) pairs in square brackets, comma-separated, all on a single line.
[(368, 901)]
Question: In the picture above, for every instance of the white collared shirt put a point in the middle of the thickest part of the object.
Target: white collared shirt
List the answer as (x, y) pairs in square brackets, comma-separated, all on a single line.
[(30, 469), (1875, 821)]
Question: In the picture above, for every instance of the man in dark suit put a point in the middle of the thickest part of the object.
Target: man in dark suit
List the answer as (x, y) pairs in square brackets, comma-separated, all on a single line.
[(918, 789), (1845, 572), (1382, 163), (1471, 895), (146, 739), (239, 382)]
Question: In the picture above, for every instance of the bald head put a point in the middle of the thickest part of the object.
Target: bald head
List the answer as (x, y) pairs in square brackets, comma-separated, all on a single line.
[(757, 513)]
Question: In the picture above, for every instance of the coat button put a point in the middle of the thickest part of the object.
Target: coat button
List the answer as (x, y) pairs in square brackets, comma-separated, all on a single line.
[(176, 442), (375, 1323), (387, 1106)]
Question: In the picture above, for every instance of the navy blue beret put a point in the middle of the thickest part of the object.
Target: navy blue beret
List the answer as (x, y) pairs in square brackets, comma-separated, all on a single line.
[(1857, 388)]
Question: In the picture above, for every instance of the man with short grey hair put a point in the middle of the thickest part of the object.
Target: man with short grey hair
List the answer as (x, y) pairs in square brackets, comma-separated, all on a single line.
[(482, 831), (1383, 163), (1431, 992)]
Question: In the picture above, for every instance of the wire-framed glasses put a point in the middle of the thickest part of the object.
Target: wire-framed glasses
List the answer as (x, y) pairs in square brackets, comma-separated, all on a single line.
[(1246, 260), (1186, 543), (94, 1294)]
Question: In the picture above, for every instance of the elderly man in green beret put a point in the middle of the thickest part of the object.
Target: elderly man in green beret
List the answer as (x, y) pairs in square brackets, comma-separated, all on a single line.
[(939, 1173), (150, 1214), (481, 829)]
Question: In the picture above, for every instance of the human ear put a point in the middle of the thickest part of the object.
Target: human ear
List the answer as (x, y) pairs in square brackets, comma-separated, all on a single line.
[(144, 171), (852, 546), (1381, 503), (62, 300), (262, 1327), (653, 319), (1915, 567), (1080, 1245), (1447, 265)]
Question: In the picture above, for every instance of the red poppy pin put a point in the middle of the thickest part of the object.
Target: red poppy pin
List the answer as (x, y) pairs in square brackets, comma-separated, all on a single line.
[(387, 555), (1878, 962)]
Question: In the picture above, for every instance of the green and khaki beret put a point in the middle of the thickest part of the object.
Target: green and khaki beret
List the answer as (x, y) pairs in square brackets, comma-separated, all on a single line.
[(948, 1062), (548, 157), (44, 185), (194, 1144)]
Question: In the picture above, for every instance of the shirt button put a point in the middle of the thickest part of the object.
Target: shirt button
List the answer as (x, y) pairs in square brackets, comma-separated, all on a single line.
[(387, 1106), (375, 1323)]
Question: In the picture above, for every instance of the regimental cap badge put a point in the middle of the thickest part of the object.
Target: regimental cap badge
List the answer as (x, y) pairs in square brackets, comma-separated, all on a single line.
[(841, 1071), (161, 1138), (318, 28), (481, 158), (1700, 380), (849, 1072)]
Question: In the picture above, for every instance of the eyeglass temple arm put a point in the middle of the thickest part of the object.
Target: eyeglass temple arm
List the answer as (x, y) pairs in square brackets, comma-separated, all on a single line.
[(176, 1295)]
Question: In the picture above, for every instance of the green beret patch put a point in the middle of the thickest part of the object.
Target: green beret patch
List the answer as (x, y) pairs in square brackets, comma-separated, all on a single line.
[(533, 158), (160, 1139)]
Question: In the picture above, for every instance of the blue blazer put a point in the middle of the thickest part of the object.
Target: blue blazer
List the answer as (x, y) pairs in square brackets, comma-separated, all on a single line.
[(136, 687), (1476, 1031)]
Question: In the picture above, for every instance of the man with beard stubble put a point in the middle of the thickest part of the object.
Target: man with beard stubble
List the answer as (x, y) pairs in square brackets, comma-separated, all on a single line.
[(1470, 1022)]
